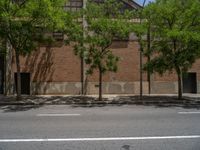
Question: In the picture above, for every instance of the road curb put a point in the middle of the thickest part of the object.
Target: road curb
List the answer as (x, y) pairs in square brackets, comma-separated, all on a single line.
[(91, 101), (186, 103)]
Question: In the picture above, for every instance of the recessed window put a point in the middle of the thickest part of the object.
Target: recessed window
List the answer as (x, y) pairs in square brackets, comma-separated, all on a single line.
[(73, 5), (58, 36)]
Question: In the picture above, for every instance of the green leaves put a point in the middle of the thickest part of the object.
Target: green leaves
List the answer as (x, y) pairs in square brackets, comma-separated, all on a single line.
[(175, 27), (19, 22), (111, 62), (104, 23)]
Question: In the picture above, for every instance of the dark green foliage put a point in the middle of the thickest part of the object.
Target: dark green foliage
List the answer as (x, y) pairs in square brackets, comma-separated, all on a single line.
[(175, 25), (24, 24), (102, 25)]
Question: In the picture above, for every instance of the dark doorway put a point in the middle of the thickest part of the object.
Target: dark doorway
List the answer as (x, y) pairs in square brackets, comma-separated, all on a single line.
[(1, 74), (190, 83), (25, 83)]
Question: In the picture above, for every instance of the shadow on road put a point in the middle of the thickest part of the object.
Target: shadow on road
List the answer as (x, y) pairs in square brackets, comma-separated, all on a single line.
[(16, 108)]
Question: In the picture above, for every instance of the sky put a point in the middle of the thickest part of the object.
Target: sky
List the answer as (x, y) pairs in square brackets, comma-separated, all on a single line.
[(141, 1)]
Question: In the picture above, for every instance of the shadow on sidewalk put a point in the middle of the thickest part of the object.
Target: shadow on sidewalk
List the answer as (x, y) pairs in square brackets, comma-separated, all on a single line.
[(9, 104)]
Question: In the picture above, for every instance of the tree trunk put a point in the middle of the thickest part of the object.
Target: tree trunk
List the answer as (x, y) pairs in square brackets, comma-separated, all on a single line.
[(18, 77), (149, 76), (180, 83), (82, 76), (141, 77), (85, 84), (100, 84), (149, 57)]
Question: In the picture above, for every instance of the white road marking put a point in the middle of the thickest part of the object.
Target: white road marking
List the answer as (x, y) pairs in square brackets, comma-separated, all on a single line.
[(100, 139), (56, 115), (190, 112)]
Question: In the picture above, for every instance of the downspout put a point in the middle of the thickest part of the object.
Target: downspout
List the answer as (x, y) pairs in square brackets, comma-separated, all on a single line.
[(83, 69)]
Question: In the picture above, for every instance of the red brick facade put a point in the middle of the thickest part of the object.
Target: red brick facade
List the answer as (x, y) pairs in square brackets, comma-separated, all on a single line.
[(56, 70)]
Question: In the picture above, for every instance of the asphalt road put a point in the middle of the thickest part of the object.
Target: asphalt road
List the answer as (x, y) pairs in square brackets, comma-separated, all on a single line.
[(99, 128)]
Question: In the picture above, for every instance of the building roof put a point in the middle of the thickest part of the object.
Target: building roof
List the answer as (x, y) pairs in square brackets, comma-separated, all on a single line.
[(132, 3)]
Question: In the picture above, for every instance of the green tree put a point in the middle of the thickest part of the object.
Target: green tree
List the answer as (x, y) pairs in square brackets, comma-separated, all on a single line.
[(140, 30), (75, 37), (23, 24), (176, 28), (105, 22)]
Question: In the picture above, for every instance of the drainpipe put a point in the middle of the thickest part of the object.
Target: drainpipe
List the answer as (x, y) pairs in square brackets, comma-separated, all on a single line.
[(83, 69)]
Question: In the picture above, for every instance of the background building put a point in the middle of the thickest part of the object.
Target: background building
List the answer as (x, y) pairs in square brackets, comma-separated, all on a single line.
[(56, 70)]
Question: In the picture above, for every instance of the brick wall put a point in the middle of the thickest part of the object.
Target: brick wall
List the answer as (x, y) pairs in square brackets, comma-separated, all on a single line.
[(128, 65), (56, 70), (56, 64)]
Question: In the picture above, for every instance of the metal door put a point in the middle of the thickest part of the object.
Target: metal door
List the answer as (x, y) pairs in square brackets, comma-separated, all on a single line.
[(1, 74), (190, 83), (25, 83)]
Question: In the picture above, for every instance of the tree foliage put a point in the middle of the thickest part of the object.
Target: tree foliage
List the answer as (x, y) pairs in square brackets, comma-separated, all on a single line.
[(104, 23), (21, 21), (23, 24), (175, 25)]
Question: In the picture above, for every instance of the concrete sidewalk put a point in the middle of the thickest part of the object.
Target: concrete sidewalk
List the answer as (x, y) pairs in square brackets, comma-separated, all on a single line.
[(153, 99)]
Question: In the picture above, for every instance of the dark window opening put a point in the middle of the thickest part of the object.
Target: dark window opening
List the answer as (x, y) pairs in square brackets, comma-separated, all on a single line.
[(119, 44), (73, 5), (19, 2), (58, 36)]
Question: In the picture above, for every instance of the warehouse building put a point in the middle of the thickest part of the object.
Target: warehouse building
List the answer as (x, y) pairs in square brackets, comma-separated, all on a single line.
[(57, 70)]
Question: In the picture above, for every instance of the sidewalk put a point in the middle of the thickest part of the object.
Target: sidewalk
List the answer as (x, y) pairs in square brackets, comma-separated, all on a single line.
[(153, 99)]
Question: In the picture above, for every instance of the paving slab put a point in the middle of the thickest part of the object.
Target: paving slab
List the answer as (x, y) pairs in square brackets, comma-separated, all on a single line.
[(92, 100)]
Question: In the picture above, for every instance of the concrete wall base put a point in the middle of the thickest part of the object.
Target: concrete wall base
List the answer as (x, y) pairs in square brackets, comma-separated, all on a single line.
[(55, 88), (117, 88), (162, 87), (74, 88), (92, 88)]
